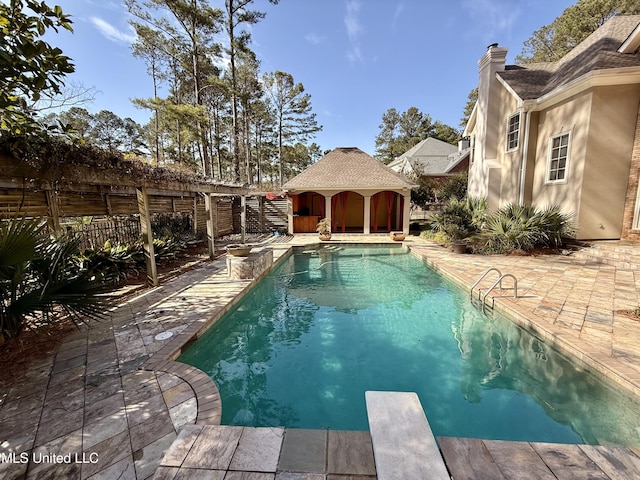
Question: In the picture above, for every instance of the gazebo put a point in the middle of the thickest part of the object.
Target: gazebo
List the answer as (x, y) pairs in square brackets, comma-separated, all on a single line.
[(355, 192)]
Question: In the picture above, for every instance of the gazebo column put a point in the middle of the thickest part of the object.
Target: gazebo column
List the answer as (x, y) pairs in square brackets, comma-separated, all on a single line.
[(327, 208), (367, 214), (406, 213)]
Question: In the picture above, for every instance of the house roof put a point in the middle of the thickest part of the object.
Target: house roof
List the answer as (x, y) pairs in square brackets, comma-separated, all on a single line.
[(599, 51), (456, 158), (429, 157), (347, 169), (430, 147)]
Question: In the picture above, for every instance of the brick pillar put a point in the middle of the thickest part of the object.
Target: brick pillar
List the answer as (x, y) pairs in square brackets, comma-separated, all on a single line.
[(632, 188)]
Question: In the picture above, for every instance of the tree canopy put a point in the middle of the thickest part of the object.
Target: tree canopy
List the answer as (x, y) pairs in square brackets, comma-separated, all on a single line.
[(219, 113), (551, 42), (29, 66), (468, 108), (291, 107), (401, 131)]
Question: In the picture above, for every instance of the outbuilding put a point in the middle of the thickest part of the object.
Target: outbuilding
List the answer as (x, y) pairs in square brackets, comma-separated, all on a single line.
[(354, 191)]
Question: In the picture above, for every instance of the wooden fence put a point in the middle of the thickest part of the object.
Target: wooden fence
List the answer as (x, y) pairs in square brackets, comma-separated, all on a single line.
[(116, 218), (264, 216)]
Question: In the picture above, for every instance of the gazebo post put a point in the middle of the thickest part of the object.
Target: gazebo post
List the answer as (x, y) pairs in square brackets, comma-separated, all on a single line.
[(367, 214), (327, 208), (406, 213)]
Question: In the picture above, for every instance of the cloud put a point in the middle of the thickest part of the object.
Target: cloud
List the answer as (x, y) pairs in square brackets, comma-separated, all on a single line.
[(495, 17), (112, 33), (314, 38), (396, 15), (354, 29)]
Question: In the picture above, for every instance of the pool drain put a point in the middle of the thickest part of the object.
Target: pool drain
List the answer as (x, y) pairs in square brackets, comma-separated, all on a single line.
[(164, 335)]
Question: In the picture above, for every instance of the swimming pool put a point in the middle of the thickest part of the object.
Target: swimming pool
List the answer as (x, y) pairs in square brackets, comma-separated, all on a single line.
[(302, 347)]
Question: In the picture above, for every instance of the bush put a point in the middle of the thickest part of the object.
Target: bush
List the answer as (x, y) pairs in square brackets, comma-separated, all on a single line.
[(454, 186), (460, 219), (511, 228), (115, 262), (517, 227), (42, 279)]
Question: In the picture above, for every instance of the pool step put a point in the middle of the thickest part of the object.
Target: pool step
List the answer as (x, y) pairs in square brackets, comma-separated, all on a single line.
[(403, 444)]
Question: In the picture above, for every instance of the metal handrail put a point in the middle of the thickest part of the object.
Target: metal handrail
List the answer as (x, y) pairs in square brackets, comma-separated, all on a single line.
[(484, 274), (499, 281)]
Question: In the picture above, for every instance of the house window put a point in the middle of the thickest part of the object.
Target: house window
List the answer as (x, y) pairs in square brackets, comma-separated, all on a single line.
[(513, 132), (558, 155)]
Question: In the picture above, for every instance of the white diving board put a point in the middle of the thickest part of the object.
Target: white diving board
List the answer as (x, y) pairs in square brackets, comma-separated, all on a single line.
[(403, 445)]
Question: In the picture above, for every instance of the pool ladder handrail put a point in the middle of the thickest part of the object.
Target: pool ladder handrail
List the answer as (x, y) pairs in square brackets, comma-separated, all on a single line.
[(482, 298), (481, 277)]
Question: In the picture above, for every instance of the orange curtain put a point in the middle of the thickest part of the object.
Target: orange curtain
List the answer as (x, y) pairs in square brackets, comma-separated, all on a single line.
[(343, 205), (390, 198), (376, 201)]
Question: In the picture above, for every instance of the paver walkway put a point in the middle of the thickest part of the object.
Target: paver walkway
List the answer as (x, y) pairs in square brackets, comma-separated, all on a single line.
[(92, 398)]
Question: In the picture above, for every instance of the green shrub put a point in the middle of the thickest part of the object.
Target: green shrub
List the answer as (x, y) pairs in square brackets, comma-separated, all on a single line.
[(454, 186), (516, 227), (460, 219), (117, 262), (114, 262), (435, 236), (42, 279)]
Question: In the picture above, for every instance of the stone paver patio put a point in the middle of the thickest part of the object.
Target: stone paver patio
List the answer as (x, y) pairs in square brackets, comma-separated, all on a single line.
[(113, 397)]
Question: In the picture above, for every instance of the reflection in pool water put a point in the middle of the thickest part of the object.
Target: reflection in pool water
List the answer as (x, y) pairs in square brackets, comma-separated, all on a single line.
[(326, 325)]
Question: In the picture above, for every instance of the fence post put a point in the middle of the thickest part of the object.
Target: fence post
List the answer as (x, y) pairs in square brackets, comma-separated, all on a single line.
[(261, 213), (147, 235), (243, 217), (53, 219), (195, 214)]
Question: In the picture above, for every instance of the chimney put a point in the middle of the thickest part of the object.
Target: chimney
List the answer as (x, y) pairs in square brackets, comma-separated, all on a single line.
[(464, 143), (488, 108)]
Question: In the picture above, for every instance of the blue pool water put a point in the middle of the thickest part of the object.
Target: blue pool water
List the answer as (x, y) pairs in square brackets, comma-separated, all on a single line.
[(302, 347)]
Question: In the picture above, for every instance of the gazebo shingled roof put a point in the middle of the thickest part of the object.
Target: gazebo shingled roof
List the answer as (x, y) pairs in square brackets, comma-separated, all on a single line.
[(348, 168)]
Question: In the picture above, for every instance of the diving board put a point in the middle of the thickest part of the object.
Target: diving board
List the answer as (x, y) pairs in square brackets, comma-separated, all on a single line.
[(403, 444)]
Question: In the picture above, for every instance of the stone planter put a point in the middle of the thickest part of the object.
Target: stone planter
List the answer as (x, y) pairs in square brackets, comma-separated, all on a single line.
[(396, 236), (239, 250), (325, 236)]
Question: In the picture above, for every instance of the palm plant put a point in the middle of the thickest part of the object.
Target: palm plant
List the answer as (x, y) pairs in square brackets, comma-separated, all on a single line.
[(525, 228), (42, 280)]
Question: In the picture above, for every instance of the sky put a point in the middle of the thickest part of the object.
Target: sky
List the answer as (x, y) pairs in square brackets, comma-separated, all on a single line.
[(356, 58)]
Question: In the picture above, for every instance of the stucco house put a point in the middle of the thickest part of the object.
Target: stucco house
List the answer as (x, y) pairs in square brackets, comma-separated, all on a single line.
[(565, 132), (354, 191), (434, 158)]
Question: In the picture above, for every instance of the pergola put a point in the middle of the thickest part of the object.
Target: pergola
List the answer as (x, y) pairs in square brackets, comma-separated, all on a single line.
[(353, 191), (29, 188)]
